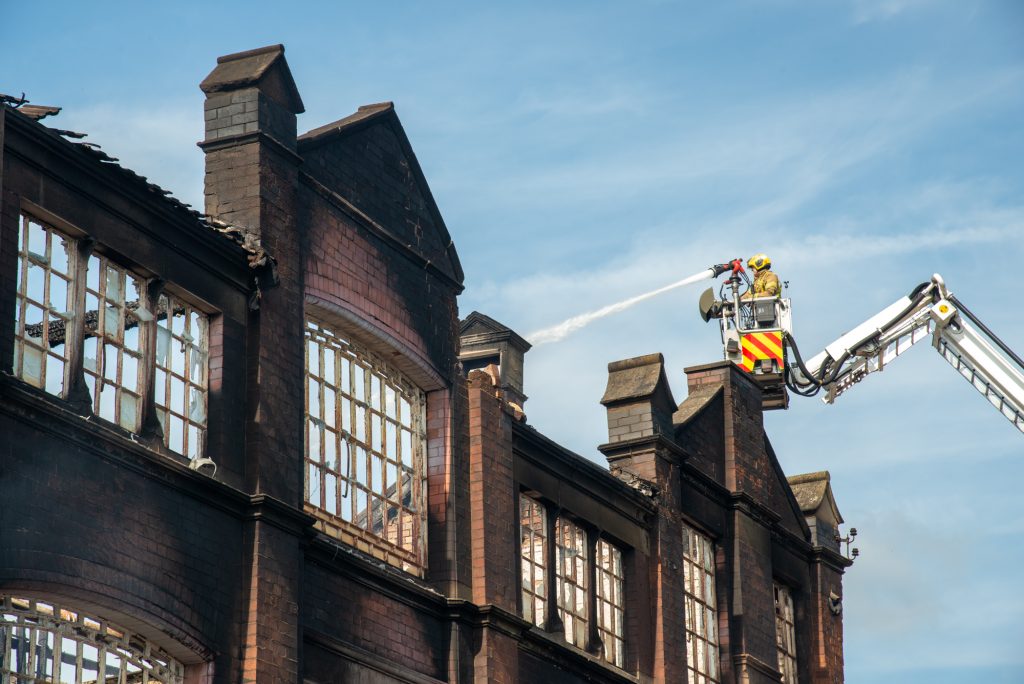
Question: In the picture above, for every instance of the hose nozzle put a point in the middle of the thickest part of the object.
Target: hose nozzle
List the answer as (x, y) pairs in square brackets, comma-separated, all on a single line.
[(735, 266)]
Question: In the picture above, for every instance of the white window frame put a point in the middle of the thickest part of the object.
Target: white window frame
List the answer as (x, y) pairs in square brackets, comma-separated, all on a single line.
[(118, 374), (34, 632), (785, 633), (588, 580), (365, 449), (701, 606)]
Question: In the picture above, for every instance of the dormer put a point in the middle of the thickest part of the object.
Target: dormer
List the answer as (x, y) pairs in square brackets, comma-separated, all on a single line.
[(485, 342)]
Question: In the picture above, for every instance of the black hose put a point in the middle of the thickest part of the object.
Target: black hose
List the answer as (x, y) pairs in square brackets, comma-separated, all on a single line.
[(974, 319), (917, 290), (800, 362), (805, 389), (915, 297), (830, 371)]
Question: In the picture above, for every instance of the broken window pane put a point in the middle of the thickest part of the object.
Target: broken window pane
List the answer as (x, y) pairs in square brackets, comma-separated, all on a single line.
[(610, 602), (533, 559), (572, 585), (181, 373), (347, 391), (114, 340), (129, 410), (163, 343), (47, 644), (32, 366), (700, 606), (42, 305), (785, 633)]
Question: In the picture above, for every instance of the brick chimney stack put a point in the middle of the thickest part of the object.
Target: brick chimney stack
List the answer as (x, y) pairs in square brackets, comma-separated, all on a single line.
[(251, 103), (252, 176)]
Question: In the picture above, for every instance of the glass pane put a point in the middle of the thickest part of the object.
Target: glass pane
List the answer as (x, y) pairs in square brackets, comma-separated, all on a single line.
[(176, 436), (32, 365), (54, 375), (112, 322), (195, 441), (113, 291), (163, 343), (197, 405)]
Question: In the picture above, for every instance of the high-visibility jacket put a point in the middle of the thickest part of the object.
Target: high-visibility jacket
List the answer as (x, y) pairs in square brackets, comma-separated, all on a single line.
[(766, 284)]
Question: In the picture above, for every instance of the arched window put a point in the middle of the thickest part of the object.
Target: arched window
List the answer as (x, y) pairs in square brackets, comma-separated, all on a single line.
[(42, 641), (365, 475)]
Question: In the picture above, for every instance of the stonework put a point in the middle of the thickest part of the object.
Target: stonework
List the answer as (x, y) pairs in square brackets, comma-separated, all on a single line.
[(226, 562)]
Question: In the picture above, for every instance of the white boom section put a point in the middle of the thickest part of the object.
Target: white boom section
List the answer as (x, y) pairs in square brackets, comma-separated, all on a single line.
[(982, 359), (993, 372)]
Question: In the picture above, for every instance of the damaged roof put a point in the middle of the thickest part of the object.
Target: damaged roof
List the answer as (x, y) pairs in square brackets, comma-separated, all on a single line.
[(240, 236)]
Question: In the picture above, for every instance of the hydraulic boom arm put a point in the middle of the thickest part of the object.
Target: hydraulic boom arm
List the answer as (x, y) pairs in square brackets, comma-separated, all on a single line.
[(929, 311)]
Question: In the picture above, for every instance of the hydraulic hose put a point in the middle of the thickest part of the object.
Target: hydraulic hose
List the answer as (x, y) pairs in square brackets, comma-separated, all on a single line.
[(830, 370), (805, 389)]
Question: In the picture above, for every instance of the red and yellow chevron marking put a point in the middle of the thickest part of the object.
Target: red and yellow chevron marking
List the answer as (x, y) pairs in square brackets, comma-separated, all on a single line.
[(761, 345)]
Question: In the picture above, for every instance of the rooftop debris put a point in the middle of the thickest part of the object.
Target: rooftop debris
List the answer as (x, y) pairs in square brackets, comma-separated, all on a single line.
[(246, 239)]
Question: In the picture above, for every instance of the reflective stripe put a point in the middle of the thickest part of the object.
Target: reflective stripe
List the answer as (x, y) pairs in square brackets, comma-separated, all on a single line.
[(761, 345)]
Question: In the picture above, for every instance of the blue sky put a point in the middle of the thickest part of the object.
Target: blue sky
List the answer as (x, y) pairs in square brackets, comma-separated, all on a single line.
[(582, 153)]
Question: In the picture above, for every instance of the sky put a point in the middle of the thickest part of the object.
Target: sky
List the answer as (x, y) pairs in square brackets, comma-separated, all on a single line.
[(586, 152)]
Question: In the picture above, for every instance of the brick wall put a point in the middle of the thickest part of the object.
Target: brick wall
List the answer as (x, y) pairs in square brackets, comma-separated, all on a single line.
[(357, 609), (86, 520)]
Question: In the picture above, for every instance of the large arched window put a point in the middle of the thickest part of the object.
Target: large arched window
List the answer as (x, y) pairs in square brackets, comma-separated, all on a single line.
[(41, 641), (365, 475)]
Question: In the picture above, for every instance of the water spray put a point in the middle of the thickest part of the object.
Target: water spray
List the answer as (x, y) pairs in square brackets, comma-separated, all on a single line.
[(571, 325)]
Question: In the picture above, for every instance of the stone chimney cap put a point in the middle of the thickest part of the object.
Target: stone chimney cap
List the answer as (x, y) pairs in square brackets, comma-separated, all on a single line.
[(637, 378), (248, 68), (812, 490)]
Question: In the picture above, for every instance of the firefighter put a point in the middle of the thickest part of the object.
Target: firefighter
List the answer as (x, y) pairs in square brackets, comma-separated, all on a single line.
[(766, 283)]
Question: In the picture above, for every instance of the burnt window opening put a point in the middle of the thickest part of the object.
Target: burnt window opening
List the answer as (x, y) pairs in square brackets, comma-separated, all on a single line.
[(181, 379), (572, 581), (611, 603), (365, 474), (44, 306), (587, 605), (112, 358), (785, 633), (701, 608), (42, 641), (71, 304), (533, 523)]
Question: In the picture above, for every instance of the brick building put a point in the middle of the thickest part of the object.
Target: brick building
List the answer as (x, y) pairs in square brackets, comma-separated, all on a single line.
[(248, 445)]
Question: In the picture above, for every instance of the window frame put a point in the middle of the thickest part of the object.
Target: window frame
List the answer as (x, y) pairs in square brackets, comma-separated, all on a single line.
[(51, 626), (785, 632), (582, 579), (378, 472), (705, 632), (80, 385)]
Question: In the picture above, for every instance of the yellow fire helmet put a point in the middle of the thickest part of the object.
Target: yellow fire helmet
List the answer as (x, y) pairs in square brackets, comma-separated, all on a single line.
[(759, 262)]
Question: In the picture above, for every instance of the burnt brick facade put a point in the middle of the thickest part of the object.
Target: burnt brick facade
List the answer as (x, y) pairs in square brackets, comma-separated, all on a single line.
[(352, 492)]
